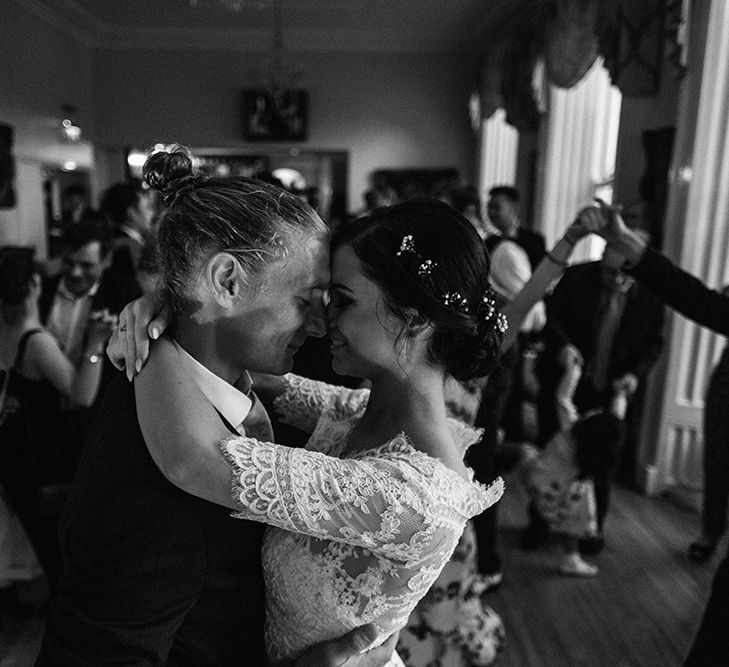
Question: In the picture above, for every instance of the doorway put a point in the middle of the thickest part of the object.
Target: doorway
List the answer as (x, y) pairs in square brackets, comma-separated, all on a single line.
[(66, 195)]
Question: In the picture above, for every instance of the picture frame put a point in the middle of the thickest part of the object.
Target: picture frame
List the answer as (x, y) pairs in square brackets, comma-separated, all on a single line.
[(275, 115)]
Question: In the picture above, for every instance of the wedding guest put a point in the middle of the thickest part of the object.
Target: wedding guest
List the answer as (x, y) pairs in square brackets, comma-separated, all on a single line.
[(510, 271), (601, 318), (36, 374), (131, 211), (66, 302), (505, 214), (716, 461), (693, 299)]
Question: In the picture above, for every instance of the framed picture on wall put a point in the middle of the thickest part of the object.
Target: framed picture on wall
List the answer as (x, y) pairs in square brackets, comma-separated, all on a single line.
[(7, 167), (274, 116)]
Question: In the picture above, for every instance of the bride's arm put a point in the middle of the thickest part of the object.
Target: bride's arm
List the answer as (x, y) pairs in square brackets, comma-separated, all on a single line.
[(347, 500), (181, 427), (378, 501), (300, 401)]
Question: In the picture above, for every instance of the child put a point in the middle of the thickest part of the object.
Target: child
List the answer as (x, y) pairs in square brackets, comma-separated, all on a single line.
[(558, 479)]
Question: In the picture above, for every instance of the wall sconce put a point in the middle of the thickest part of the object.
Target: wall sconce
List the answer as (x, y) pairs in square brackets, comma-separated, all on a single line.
[(69, 130)]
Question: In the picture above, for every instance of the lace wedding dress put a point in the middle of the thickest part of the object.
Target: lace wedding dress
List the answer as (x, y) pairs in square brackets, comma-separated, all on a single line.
[(355, 538)]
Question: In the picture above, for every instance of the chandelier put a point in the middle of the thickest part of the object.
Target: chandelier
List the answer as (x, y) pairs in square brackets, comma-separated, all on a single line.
[(276, 71)]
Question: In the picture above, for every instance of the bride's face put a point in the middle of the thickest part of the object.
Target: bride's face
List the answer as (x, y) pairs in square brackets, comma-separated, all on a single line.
[(362, 330)]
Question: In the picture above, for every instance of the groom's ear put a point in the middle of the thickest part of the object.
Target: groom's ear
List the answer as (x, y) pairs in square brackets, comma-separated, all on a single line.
[(227, 278)]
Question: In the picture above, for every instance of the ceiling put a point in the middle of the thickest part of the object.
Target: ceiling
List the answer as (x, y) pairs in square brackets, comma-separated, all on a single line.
[(313, 25)]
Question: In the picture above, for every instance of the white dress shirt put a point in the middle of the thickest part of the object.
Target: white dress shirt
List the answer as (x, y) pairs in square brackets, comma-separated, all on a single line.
[(231, 403), (68, 319), (510, 271)]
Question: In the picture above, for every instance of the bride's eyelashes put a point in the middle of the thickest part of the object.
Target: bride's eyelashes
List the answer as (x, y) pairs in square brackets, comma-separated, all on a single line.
[(340, 301)]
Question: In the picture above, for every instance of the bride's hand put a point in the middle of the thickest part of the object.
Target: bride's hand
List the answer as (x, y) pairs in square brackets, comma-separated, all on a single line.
[(141, 320)]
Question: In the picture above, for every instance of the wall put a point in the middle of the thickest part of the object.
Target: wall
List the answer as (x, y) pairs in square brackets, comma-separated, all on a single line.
[(387, 110), (638, 114), (35, 83)]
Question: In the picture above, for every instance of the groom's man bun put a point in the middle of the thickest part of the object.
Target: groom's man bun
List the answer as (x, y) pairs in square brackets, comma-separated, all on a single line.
[(201, 215), (167, 165)]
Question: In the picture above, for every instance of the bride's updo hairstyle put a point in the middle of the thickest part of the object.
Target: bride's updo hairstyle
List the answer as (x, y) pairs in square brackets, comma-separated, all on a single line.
[(201, 215), (429, 261)]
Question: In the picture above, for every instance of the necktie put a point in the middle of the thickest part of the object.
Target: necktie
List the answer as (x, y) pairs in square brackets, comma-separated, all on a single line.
[(605, 337), (257, 424)]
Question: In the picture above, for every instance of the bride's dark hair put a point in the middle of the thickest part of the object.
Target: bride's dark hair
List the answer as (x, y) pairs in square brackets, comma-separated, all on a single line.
[(427, 259)]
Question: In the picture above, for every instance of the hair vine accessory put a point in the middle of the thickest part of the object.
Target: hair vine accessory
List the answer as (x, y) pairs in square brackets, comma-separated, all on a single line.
[(426, 267), (406, 245), (489, 303), (490, 306), (455, 299)]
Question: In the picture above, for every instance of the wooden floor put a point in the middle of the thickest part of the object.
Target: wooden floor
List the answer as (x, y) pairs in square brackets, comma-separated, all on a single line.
[(642, 609)]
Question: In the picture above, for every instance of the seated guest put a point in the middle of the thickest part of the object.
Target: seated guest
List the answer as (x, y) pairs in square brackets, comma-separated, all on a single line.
[(67, 301), (130, 210), (35, 374)]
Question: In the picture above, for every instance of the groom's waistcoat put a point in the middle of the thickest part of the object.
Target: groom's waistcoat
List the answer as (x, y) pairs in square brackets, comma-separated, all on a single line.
[(152, 575)]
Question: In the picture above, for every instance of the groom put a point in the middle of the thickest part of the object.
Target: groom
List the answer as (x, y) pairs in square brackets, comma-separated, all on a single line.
[(155, 576)]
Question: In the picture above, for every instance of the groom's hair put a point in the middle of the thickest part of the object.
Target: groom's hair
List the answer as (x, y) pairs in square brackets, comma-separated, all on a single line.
[(250, 219)]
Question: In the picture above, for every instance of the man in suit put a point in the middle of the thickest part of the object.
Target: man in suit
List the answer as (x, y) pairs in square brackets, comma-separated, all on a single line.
[(68, 301), (600, 318), (153, 575), (504, 212), (693, 299), (131, 211)]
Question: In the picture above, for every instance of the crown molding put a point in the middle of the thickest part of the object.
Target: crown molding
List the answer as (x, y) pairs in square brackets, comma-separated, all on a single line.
[(260, 40), (74, 21)]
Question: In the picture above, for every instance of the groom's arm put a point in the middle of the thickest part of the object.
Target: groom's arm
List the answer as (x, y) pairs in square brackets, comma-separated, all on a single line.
[(350, 650)]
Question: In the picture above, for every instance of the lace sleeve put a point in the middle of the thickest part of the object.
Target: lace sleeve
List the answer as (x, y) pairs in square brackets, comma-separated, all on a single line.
[(305, 400), (386, 504)]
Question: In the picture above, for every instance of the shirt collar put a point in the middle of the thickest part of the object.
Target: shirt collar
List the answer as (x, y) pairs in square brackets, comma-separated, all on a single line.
[(233, 404), (64, 292)]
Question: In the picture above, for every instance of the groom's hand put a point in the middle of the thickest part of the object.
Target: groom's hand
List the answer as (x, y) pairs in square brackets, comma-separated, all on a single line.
[(350, 651)]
